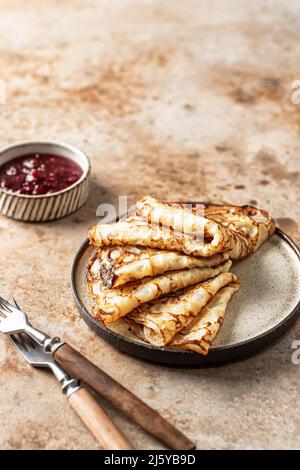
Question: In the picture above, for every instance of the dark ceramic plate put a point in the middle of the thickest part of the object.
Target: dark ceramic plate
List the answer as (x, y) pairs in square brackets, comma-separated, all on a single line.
[(264, 308)]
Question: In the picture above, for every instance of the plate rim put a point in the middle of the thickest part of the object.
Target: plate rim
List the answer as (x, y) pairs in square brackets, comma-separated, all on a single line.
[(242, 348)]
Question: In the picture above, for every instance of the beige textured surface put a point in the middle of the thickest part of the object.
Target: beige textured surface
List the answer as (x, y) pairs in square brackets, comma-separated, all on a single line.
[(181, 99)]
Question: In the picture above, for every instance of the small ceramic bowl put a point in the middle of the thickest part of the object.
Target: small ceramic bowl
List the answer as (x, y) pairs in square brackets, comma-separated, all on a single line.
[(49, 206)]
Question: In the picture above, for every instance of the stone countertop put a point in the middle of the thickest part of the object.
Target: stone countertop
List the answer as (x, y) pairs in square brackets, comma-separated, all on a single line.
[(185, 100)]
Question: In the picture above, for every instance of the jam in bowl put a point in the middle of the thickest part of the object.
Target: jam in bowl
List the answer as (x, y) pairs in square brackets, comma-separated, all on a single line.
[(42, 181), (39, 173)]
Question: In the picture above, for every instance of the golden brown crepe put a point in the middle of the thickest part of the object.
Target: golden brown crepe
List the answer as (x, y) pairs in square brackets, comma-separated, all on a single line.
[(178, 217), (139, 232), (160, 321), (182, 219), (246, 226), (162, 248), (250, 225), (118, 265), (199, 335), (111, 304)]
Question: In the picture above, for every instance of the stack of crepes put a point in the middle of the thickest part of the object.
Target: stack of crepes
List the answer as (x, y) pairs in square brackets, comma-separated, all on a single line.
[(165, 267)]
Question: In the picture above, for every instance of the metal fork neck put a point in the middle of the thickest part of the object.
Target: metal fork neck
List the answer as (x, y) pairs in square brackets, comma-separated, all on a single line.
[(49, 344), (36, 334), (70, 386)]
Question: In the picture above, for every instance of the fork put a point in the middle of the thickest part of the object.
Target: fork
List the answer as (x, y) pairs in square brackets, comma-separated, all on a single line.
[(90, 412), (14, 320)]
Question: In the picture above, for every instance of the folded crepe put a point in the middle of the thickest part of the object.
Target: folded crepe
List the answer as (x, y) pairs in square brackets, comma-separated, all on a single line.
[(210, 239), (246, 226), (112, 304), (118, 265), (251, 226), (199, 335), (159, 322)]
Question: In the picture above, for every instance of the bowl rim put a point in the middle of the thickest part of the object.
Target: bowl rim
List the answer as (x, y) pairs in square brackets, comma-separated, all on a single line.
[(72, 148)]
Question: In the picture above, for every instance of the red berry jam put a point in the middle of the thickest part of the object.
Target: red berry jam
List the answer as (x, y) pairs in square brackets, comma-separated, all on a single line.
[(39, 173)]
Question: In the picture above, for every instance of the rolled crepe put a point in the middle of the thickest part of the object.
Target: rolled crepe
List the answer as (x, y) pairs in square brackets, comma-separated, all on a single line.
[(112, 304), (246, 227), (119, 265), (160, 321), (198, 337), (137, 231), (249, 225), (178, 217)]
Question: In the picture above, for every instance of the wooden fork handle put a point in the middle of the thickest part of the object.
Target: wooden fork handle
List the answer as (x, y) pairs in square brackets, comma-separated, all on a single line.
[(97, 421), (76, 365)]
